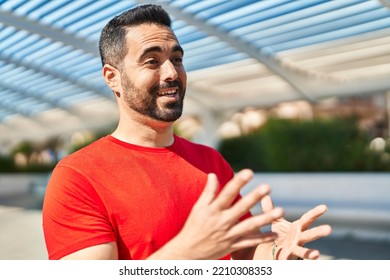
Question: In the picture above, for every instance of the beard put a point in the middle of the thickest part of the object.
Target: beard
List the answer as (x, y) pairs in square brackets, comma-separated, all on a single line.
[(146, 103)]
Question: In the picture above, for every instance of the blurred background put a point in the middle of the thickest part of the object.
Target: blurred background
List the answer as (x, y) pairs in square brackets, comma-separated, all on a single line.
[(299, 91)]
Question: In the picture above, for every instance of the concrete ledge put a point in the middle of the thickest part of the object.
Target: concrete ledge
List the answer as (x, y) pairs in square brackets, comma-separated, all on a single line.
[(14, 184), (359, 203)]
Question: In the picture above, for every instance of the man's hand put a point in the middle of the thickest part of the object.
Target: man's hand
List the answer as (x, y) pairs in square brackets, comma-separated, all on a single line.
[(293, 236), (213, 228)]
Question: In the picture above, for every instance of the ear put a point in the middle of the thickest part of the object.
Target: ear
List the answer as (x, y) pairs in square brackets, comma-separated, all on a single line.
[(112, 77)]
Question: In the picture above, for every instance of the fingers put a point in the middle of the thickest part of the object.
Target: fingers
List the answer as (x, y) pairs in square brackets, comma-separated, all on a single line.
[(232, 189), (315, 233), (254, 223), (209, 191), (254, 239), (266, 204), (310, 216), (245, 204), (306, 253)]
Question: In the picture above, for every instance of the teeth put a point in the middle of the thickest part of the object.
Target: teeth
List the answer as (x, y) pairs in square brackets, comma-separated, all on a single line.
[(167, 92)]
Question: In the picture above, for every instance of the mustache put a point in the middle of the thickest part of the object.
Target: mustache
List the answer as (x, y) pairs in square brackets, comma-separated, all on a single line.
[(165, 85)]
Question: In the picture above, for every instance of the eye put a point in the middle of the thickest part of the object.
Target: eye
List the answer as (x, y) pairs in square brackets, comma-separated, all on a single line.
[(151, 61), (177, 60)]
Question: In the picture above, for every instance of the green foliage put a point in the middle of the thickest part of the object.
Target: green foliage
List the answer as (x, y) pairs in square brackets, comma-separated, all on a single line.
[(303, 146), (6, 164), (25, 147), (35, 168), (31, 158)]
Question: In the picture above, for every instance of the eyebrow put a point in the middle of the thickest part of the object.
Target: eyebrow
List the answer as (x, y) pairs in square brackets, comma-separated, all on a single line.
[(176, 48)]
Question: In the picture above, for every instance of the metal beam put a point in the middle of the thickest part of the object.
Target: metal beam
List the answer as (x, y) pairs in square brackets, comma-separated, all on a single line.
[(47, 31), (100, 91), (263, 56), (26, 94), (13, 109), (53, 34), (324, 91)]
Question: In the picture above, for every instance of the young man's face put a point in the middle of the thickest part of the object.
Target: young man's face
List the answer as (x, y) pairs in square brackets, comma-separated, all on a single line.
[(153, 78)]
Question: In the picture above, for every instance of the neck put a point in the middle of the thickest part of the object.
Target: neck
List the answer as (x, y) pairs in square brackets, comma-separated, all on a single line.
[(144, 132)]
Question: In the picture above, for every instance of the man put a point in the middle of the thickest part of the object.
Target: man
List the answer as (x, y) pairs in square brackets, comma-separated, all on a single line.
[(145, 193)]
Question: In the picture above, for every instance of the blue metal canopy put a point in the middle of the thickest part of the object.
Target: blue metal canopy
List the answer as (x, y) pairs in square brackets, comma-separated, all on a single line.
[(237, 53)]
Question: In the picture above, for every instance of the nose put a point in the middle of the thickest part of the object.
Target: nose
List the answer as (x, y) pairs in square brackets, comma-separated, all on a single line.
[(168, 71)]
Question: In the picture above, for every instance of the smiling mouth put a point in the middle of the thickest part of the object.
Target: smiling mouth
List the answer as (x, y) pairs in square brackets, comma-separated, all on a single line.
[(170, 92)]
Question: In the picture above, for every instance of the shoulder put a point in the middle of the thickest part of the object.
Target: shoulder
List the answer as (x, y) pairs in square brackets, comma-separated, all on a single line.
[(204, 157), (187, 146)]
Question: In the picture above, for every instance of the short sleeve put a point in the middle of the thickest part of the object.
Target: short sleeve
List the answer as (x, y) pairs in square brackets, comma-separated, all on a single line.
[(74, 216)]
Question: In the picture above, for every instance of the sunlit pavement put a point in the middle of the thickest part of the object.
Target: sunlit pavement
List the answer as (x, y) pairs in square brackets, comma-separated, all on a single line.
[(21, 236)]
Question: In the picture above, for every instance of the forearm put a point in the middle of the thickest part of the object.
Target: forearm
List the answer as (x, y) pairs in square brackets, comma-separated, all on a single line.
[(163, 254), (244, 254), (175, 249)]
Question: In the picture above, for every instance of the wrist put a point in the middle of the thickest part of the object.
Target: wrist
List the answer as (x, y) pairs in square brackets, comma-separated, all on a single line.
[(173, 250), (264, 251)]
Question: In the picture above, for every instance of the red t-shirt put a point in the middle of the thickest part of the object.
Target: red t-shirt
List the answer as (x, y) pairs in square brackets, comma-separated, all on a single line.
[(138, 197)]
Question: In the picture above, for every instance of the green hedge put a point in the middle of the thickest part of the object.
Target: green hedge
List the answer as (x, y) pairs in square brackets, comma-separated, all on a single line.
[(280, 146), (302, 146), (27, 148), (7, 164)]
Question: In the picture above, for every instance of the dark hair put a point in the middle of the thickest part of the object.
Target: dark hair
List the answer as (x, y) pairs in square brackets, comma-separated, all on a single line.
[(112, 43)]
